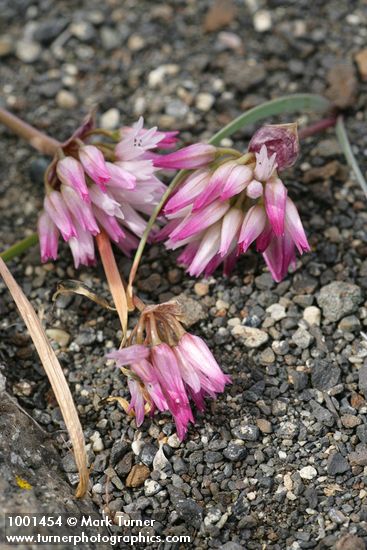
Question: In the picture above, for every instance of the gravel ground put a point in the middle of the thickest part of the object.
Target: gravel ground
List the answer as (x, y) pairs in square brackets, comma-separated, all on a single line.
[(278, 461)]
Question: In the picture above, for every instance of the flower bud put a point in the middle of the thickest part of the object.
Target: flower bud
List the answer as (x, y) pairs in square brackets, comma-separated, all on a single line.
[(281, 139)]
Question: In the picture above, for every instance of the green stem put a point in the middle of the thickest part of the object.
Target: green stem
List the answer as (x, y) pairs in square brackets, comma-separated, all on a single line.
[(348, 153), (19, 247), (176, 180), (285, 104)]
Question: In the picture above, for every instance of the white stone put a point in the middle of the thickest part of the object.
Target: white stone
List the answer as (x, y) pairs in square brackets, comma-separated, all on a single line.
[(277, 312), (110, 119), (157, 76), (151, 487), (204, 101), (60, 336), (253, 337), (262, 21), (312, 315), (308, 472), (173, 441), (66, 100), (28, 51), (97, 443)]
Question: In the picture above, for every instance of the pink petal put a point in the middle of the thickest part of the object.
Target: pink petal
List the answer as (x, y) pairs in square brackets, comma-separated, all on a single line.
[(237, 181), (193, 156), (48, 237), (128, 355), (275, 199), (94, 164), (230, 227), (70, 172), (294, 226), (194, 223), (252, 226), (60, 215)]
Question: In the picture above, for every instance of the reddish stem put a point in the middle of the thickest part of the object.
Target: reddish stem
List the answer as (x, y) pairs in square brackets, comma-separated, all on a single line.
[(40, 141), (317, 127)]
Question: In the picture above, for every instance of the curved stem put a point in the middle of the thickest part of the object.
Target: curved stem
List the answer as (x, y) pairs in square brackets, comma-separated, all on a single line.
[(176, 180), (40, 141), (19, 247)]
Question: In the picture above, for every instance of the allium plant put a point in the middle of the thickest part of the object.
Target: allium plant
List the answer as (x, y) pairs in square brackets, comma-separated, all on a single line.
[(102, 186), (231, 200), (168, 367), (91, 186)]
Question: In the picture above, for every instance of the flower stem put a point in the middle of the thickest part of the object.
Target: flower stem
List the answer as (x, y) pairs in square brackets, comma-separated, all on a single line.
[(40, 141), (176, 180), (317, 127), (19, 247), (114, 280)]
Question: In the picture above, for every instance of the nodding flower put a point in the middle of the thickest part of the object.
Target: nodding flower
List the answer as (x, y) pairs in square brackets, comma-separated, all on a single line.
[(219, 210), (168, 368), (110, 186)]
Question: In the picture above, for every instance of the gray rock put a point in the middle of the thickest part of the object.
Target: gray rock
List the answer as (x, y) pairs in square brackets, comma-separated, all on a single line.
[(362, 379), (350, 323), (247, 432), (49, 30), (302, 338), (193, 311), (232, 546), (235, 452), (321, 414), (338, 299), (27, 454), (188, 510), (243, 75), (337, 464), (324, 375)]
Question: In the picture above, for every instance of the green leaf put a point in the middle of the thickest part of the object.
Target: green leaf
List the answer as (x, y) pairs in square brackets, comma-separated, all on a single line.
[(19, 247), (348, 153), (286, 104)]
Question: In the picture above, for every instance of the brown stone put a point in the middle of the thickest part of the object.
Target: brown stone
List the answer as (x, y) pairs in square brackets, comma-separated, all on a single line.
[(342, 85), (361, 60), (221, 14), (138, 474)]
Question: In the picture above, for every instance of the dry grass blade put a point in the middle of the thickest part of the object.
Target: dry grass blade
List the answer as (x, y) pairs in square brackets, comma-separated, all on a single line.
[(55, 376), (76, 287)]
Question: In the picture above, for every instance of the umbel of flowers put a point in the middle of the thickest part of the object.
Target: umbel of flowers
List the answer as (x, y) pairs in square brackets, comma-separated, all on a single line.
[(168, 368), (227, 202), (106, 185)]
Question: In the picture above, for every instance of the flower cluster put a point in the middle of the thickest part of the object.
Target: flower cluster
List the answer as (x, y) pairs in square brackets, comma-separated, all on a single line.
[(168, 367), (93, 186), (231, 200)]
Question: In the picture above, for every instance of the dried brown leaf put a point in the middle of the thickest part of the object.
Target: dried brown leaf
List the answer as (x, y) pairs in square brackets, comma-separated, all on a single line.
[(71, 286), (55, 375)]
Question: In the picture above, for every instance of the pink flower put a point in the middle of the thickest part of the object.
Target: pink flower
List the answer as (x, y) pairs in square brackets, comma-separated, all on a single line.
[(48, 236), (94, 164), (220, 215), (70, 172), (95, 193), (193, 156), (60, 215), (165, 376)]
